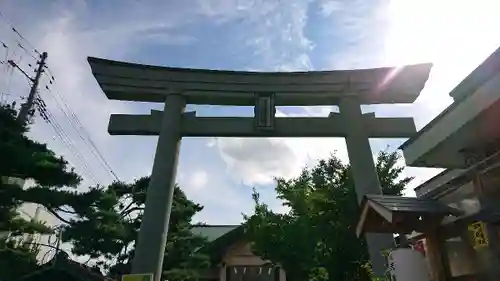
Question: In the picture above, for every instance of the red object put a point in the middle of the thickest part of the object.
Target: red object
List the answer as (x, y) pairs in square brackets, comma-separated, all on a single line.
[(419, 246)]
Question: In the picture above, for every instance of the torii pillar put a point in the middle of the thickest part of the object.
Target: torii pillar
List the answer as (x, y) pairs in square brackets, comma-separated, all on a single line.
[(365, 175), (150, 248), (177, 87)]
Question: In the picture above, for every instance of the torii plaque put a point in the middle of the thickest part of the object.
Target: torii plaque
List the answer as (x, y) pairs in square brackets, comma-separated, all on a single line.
[(176, 87)]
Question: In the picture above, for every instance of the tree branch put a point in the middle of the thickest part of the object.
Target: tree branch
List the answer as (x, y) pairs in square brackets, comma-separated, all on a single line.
[(128, 212), (65, 211), (58, 216), (128, 206)]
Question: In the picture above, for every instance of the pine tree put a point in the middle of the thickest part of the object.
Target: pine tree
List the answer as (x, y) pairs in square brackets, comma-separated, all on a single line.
[(54, 187), (110, 230)]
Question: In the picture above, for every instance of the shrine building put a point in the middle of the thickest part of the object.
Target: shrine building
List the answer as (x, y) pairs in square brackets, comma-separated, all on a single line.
[(232, 258), (455, 219)]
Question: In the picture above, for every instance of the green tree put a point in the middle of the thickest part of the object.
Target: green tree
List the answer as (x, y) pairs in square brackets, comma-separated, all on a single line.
[(25, 159), (315, 239), (17, 258), (109, 231), (54, 187)]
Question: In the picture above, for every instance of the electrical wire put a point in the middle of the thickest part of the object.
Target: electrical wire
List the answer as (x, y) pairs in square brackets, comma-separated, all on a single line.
[(14, 29), (74, 121), (64, 107), (48, 117), (28, 52), (10, 53), (9, 73), (66, 141)]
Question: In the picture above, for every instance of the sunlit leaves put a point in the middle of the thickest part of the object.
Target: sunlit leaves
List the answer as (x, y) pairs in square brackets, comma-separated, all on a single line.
[(315, 239)]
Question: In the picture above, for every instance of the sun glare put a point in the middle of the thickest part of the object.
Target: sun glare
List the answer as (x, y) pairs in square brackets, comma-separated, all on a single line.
[(458, 33)]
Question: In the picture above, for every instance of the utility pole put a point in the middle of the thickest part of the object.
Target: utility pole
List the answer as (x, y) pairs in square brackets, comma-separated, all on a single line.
[(25, 110)]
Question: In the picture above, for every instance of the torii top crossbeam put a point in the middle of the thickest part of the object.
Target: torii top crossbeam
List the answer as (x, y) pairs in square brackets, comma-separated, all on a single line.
[(137, 82)]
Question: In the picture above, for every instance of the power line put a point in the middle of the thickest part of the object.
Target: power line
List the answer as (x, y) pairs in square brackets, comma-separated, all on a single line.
[(66, 141), (81, 131), (8, 69), (48, 117), (24, 49), (27, 110), (71, 116), (13, 28), (79, 128)]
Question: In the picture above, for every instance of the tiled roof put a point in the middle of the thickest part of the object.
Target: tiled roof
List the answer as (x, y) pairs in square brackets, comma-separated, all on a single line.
[(411, 204), (212, 232), (397, 214), (228, 234)]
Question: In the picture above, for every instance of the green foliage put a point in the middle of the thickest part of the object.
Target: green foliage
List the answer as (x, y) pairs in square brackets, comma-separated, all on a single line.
[(54, 187), (16, 258), (315, 239), (25, 159), (110, 228), (100, 222)]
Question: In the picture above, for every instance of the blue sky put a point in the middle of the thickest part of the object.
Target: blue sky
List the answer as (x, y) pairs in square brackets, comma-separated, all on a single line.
[(270, 35)]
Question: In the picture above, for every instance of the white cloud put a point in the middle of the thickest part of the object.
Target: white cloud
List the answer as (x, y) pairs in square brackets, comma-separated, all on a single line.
[(256, 161), (222, 200), (328, 7), (455, 37), (360, 28), (198, 180), (378, 35), (279, 38), (72, 30), (274, 31)]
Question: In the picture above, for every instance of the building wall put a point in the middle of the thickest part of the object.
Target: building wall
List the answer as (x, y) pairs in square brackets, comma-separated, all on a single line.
[(31, 211), (464, 258), (40, 214), (240, 254)]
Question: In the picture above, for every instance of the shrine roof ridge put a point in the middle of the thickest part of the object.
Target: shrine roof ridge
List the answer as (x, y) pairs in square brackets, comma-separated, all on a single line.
[(469, 85), (138, 82)]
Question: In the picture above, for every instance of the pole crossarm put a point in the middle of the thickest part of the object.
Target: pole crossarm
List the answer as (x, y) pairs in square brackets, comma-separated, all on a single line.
[(138, 82), (193, 126)]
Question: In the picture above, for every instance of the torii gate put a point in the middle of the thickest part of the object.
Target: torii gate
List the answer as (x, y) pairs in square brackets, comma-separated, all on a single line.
[(176, 87)]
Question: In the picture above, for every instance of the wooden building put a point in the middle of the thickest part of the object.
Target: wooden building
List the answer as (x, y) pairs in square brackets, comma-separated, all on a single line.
[(232, 258), (464, 140)]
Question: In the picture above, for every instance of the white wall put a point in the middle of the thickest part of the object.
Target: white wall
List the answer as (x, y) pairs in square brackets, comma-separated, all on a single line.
[(37, 212), (29, 211)]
